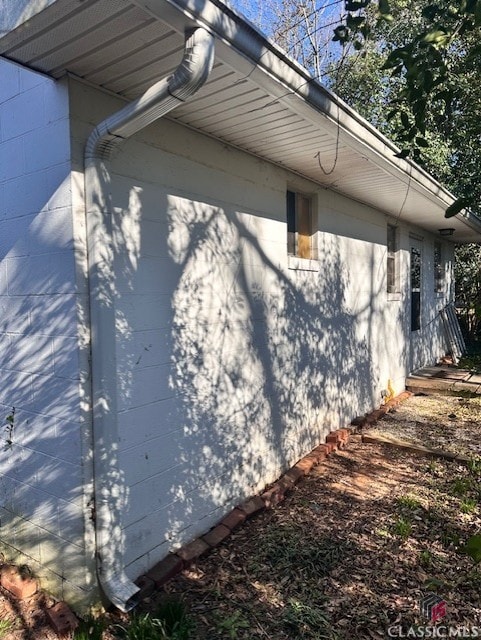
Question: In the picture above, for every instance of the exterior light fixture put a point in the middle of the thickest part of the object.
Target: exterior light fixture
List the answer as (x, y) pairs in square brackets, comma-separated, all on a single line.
[(446, 232)]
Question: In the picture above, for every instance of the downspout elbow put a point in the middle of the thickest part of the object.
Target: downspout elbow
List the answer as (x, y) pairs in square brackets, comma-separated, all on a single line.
[(160, 99)]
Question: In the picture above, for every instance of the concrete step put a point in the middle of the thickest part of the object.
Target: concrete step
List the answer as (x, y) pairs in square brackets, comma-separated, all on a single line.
[(444, 380)]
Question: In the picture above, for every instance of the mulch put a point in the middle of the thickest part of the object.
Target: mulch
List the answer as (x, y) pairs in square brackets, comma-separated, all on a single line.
[(352, 551)]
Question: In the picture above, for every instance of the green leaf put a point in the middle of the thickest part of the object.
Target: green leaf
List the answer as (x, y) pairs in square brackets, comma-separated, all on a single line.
[(405, 120), (355, 5), (341, 34), (473, 548), (435, 37), (387, 17), (390, 63), (475, 51), (426, 78), (457, 206), (384, 8), (422, 142), (354, 21), (430, 11), (471, 6), (398, 70)]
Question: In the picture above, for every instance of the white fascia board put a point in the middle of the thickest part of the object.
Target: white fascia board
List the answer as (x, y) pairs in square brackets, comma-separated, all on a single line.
[(245, 49)]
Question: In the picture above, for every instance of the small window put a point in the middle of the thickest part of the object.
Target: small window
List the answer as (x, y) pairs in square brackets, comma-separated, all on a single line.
[(300, 236), (392, 259), (438, 269)]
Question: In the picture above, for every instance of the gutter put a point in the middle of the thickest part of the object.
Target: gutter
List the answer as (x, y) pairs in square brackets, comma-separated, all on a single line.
[(109, 487), (285, 78)]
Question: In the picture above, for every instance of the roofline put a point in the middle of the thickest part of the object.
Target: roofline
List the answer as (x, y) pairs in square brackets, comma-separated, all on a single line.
[(242, 46), (293, 80)]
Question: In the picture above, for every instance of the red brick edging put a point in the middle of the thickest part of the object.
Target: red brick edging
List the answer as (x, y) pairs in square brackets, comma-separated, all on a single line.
[(63, 619), (371, 418), (175, 562), (22, 585)]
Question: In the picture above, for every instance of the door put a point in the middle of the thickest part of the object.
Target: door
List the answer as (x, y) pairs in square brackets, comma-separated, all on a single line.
[(416, 302)]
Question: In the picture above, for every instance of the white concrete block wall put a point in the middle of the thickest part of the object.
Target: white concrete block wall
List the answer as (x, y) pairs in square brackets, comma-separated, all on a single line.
[(42, 475), (231, 365)]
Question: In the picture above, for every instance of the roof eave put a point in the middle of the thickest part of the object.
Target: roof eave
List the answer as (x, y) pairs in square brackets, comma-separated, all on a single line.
[(263, 57), (242, 46)]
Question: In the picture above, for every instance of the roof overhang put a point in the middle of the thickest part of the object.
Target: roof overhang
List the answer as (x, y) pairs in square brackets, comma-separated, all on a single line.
[(257, 99)]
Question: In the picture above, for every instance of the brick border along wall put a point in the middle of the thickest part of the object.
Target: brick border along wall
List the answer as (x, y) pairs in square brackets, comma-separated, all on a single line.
[(174, 563), (23, 585)]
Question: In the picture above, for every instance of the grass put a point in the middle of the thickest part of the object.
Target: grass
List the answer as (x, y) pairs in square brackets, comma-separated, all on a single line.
[(425, 558), (450, 539), (468, 505), (460, 487), (433, 467), (474, 466), (170, 621), (5, 627), (90, 629), (307, 621), (409, 502), (402, 528), (288, 545), (232, 624)]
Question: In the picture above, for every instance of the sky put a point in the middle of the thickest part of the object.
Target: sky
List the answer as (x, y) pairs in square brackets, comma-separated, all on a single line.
[(300, 27)]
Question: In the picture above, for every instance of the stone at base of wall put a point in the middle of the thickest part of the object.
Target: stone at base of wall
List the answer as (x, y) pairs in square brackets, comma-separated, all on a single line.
[(271, 497), (81, 600)]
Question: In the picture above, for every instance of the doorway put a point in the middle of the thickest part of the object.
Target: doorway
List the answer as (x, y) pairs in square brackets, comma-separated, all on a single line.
[(416, 301)]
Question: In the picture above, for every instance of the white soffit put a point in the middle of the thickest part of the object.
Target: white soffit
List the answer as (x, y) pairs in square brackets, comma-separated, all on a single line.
[(125, 46)]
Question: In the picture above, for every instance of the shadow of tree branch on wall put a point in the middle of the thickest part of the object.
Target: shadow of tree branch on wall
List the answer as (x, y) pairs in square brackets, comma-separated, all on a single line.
[(44, 466), (261, 363)]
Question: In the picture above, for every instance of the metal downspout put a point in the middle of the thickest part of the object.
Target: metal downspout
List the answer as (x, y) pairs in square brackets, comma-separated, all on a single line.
[(109, 489)]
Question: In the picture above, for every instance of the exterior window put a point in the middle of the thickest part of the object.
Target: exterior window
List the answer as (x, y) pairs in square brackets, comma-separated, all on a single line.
[(438, 268), (392, 259), (300, 241)]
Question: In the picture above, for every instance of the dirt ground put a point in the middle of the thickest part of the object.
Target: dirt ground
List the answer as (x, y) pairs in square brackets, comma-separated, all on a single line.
[(25, 619), (351, 552), (444, 422)]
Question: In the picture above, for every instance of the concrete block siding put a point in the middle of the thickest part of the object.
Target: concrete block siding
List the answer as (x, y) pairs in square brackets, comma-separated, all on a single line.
[(231, 363), (42, 474)]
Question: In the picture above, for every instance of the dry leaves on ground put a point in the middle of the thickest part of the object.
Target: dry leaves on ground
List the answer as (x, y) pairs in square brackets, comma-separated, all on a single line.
[(350, 553), (353, 548), (440, 422)]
